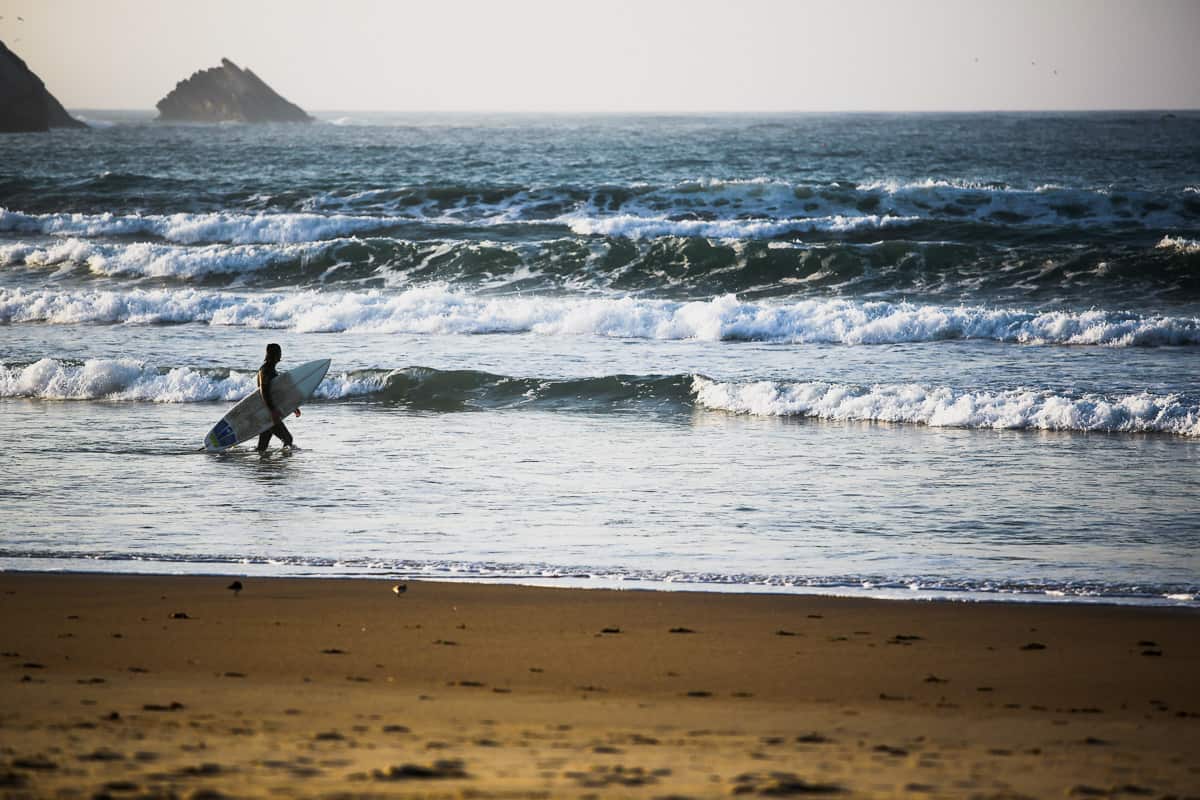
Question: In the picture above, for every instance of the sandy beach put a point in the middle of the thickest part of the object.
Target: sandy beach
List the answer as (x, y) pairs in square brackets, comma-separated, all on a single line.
[(135, 686)]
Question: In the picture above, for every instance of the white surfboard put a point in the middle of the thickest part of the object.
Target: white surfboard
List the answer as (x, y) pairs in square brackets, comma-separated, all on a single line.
[(250, 416)]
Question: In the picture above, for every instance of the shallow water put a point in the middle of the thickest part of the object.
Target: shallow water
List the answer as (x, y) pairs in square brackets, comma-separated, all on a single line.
[(788, 353)]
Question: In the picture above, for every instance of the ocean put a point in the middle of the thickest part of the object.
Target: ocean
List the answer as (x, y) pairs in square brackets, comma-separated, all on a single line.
[(893, 355)]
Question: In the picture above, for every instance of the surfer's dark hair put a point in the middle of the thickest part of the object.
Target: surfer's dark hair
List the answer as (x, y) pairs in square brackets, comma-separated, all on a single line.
[(274, 350)]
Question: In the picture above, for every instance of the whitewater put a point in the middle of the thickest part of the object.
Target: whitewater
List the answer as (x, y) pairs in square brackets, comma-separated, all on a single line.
[(801, 353)]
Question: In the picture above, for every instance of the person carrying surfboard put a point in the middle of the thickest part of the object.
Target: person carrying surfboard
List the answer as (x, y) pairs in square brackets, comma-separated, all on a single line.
[(266, 374)]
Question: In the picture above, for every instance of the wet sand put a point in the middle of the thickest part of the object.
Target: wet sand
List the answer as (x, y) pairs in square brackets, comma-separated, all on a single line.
[(134, 686)]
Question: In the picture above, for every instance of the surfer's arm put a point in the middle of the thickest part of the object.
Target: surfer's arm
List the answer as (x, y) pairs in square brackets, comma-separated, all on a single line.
[(264, 388)]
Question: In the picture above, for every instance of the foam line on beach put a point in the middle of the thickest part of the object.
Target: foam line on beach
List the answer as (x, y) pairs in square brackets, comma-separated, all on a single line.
[(892, 587)]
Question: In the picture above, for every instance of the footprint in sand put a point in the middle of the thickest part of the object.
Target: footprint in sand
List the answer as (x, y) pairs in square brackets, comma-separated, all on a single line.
[(121, 786), (891, 751), (439, 770), (174, 706), (813, 738)]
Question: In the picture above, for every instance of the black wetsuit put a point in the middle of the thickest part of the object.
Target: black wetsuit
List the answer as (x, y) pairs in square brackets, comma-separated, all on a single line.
[(266, 374)]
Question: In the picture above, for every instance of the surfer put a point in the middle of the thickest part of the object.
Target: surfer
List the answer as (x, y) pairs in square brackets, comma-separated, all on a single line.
[(266, 374)]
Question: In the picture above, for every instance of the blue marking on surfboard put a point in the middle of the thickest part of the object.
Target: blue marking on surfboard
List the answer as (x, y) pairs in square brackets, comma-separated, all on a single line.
[(224, 435)]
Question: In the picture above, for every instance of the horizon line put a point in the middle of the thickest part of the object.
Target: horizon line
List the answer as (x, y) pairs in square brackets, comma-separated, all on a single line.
[(697, 112)]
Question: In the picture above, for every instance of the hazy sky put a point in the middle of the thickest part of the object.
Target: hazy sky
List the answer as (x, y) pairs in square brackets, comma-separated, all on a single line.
[(619, 55)]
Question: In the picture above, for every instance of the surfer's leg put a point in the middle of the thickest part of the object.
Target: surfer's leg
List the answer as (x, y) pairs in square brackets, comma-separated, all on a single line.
[(283, 433), (264, 439)]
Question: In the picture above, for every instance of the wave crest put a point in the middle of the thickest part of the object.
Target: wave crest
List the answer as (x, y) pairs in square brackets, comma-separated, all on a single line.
[(1017, 409), (213, 227), (157, 260), (457, 390), (441, 310)]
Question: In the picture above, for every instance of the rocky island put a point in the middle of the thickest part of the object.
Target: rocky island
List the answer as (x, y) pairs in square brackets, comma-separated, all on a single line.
[(227, 93), (25, 105)]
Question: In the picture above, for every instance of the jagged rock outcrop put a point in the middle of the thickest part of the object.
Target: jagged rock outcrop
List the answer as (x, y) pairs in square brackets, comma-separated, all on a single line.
[(25, 105), (227, 93)]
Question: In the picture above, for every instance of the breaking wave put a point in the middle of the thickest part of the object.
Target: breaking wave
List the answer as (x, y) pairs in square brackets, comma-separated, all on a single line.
[(156, 260), (442, 310), (638, 227), (1180, 245), (770, 206), (430, 389), (215, 227), (659, 256), (940, 406), (419, 387)]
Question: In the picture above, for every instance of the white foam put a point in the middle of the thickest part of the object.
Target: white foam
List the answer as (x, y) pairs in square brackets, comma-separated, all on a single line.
[(156, 260), (440, 310), (130, 380), (940, 406), (1179, 244), (118, 379), (766, 207), (722, 209), (640, 227), (228, 227)]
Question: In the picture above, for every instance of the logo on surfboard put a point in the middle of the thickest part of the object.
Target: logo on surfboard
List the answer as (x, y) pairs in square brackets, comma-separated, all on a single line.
[(222, 435)]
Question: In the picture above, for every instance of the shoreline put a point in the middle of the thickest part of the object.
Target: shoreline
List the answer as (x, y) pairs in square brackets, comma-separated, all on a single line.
[(313, 686), (1184, 601)]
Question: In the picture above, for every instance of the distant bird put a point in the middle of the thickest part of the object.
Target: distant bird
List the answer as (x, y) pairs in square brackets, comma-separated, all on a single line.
[(399, 589), (20, 19), (235, 587)]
